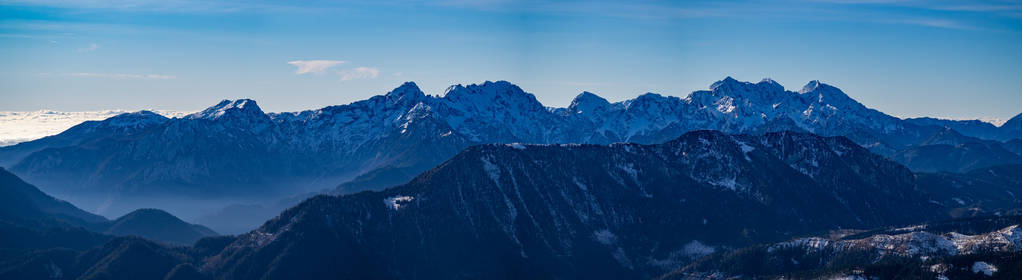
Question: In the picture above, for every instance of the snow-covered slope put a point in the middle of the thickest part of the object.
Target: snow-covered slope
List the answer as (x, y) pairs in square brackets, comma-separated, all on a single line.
[(955, 249)]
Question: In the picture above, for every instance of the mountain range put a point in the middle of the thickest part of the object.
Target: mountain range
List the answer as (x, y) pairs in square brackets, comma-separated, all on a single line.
[(235, 151), (516, 210)]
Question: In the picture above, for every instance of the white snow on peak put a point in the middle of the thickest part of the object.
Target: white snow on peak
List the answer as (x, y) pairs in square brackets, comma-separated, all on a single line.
[(727, 81), (408, 91), (247, 106), (501, 112), (810, 87), (588, 103), (138, 119)]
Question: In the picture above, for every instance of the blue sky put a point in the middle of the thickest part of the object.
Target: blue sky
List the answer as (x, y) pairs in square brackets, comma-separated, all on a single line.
[(960, 59)]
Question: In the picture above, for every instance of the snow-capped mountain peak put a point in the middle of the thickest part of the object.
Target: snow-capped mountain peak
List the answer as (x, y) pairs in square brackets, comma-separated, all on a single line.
[(763, 93), (134, 120), (230, 108), (486, 89), (830, 95), (770, 83), (811, 86), (492, 98), (727, 81), (408, 91), (645, 100), (768, 80), (587, 102), (729, 84)]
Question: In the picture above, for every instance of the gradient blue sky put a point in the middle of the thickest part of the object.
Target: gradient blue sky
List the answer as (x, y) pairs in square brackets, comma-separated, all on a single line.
[(960, 59)]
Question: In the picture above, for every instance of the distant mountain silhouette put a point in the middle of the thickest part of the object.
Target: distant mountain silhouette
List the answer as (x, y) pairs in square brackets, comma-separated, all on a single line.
[(22, 203), (31, 219), (949, 151), (158, 225)]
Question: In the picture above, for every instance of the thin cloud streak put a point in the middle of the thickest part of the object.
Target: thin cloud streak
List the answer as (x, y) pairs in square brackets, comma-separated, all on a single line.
[(643, 10), (120, 76), (359, 73), (314, 66), (939, 23), (982, 8), (91, 47), (167, 6)]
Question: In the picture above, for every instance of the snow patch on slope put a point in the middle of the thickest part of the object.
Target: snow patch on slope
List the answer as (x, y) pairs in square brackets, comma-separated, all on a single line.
[(696, 249), (984, 267), (605, 237), (491, 169), (397, 202)]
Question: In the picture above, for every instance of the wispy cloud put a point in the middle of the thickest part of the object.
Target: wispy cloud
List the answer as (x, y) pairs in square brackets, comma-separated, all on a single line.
[(314, 66), (91, 47), (938, 23), (170, 6), (321, 66), (359, 73), (27, 36), (982, 8), (584, 84), (119, 76), (870, 11), (1004, 8), (865, 1)]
